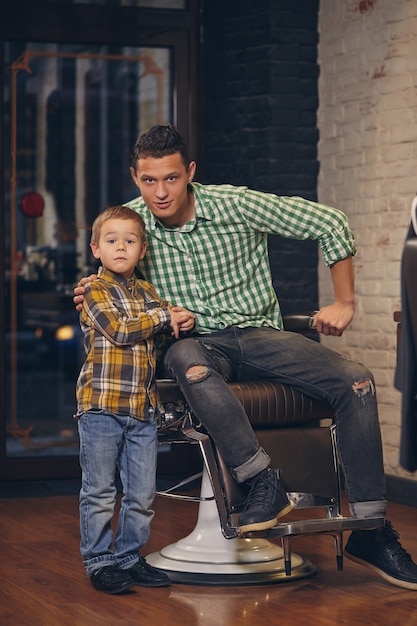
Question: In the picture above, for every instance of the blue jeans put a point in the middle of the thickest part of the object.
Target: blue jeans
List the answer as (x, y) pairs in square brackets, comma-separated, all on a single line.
[(237, 354), (108, 442)]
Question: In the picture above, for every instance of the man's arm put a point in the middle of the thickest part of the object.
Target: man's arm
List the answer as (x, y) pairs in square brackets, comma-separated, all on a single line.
[(79, 291), (333, 319)]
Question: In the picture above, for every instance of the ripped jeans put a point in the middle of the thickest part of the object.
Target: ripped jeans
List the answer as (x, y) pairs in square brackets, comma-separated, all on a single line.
[(237, 354)]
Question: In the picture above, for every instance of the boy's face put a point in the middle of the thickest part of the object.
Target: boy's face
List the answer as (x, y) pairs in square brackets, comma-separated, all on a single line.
[(163, 186), (120, 246)]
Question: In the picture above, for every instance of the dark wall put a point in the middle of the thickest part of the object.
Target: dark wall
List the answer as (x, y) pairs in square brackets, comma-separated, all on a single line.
[(259, 100)]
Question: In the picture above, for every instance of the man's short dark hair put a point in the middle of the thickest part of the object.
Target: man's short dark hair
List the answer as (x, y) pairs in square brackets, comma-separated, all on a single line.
[(160, 141)]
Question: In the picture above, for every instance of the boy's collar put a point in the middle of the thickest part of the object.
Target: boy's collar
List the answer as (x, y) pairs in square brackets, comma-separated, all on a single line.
[(110, 276)]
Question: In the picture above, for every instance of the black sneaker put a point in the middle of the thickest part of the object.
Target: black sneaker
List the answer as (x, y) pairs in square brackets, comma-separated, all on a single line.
[(111, 579), (381, 551), (266, 502), (145, 575)]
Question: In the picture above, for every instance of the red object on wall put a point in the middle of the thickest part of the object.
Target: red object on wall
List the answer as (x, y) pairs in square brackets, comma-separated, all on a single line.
[(32, 204)]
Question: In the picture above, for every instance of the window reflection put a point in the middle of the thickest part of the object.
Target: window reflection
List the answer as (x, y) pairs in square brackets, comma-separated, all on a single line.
[(74, 113)]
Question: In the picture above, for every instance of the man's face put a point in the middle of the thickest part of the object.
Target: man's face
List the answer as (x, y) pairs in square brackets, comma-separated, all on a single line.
[(163, 186)]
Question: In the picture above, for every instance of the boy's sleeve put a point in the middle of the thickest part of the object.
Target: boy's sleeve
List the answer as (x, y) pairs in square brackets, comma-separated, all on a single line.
[(100, 312)]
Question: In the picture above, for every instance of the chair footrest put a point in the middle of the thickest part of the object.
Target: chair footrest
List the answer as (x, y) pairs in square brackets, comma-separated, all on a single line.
[(169, 492), (324, 525)]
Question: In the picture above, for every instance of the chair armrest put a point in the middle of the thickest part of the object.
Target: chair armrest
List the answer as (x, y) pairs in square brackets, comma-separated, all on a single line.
[(299, 322)]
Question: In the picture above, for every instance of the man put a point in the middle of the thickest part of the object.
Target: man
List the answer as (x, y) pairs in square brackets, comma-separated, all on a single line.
[(207, 250)]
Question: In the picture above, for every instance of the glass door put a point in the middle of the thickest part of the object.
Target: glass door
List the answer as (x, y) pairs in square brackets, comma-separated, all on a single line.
[(71, 114)]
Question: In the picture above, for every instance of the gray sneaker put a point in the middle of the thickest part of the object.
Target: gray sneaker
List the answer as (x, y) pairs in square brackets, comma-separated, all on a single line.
[(381, 551), (266, 502)]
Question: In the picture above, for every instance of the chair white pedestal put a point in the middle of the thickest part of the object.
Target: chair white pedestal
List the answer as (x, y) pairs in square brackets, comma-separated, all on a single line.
[(206, 557)]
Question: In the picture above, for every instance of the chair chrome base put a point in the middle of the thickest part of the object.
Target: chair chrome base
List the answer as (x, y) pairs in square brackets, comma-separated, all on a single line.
[(206, 557)]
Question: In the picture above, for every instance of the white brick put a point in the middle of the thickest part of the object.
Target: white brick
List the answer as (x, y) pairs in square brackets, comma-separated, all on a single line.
[(367, 120)]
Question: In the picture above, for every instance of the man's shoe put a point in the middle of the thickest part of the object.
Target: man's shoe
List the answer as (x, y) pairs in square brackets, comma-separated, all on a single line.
[(381, 551), (266, 502), (111, 579), (145, 575)]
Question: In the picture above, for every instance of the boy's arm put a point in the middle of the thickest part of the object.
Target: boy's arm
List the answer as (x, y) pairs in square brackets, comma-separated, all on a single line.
[(182, 320), (100, 312)]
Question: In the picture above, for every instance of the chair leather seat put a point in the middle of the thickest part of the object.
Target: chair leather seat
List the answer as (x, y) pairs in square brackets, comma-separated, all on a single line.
[(268, 404)]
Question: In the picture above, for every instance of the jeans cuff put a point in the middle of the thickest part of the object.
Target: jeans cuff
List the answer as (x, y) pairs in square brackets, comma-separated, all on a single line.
[(128, 561), (92, 565), (373, 508), (258, 462)]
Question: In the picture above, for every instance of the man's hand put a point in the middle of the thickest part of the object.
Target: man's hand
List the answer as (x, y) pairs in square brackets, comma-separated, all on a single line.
[(79, 291), (333, 319)]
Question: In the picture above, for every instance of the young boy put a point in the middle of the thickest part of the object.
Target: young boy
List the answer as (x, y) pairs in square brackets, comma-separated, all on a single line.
[(117, 404)]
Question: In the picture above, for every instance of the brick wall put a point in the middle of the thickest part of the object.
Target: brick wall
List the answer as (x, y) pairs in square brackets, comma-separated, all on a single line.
[(259, 106), (368, 167)]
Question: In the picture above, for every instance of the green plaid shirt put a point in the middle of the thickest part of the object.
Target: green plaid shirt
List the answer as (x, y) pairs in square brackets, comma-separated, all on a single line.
[(217, 264)]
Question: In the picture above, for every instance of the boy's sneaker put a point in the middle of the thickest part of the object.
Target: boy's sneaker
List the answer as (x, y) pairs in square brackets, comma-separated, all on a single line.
[(381, 551), (111, 579), (145, 575), (266, 502)]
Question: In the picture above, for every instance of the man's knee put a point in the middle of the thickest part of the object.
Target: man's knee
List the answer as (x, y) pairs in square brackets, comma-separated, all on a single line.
[(197, 372), (363, 387)]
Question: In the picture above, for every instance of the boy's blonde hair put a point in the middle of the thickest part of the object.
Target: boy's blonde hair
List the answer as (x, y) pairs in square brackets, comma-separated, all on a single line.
[(119, 212)]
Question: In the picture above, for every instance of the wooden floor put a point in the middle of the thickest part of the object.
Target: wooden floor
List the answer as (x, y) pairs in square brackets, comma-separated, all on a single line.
[(42, 581)]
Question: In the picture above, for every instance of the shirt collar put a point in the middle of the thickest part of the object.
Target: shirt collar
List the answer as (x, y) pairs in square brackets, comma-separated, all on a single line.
[(203, 210), (112, 277)]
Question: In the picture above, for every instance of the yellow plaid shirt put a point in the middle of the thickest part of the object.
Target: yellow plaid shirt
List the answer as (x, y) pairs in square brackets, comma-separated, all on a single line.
[(119, 320)]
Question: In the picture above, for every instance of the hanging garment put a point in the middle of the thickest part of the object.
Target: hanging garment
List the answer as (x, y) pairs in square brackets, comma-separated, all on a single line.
[(406, 370)]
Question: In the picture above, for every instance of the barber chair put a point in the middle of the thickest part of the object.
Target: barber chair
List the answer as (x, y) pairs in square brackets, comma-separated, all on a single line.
[(299, 435)]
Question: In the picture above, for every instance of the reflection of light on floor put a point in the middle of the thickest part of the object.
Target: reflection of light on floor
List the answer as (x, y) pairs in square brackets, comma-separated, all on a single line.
[(290, 603), (244, 605), (213, 609)]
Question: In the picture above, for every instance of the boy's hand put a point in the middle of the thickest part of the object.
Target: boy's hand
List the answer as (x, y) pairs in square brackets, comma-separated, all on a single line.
[(182, 321), (79, 291)]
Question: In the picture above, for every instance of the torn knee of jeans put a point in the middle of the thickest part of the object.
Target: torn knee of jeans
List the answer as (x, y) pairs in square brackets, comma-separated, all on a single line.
[(362, 387), (197, 372)]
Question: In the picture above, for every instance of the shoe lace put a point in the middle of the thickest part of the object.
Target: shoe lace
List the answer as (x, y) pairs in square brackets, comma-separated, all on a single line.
[(390, 538), (261, 491)]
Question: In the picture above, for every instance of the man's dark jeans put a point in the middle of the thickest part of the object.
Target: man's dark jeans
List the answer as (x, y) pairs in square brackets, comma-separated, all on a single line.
[(237, 354)]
